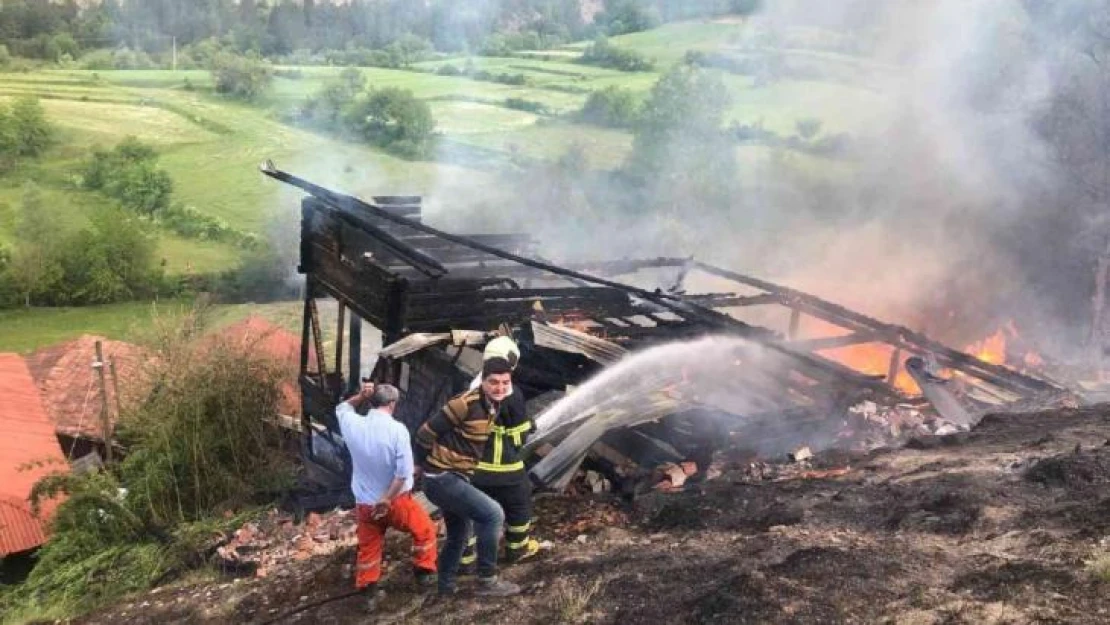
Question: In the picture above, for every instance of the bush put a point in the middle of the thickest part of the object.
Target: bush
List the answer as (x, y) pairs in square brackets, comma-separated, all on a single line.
[(197, 447), (604, 54), (24, 131), (393, 119), (612, 106), (130, 174), (621, 17), (240, 77), (110, 261), (520, 104), (448, 70), (193, 224)]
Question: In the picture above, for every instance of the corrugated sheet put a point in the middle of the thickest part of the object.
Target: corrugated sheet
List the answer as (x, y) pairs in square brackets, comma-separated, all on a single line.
[(19, 529), (570, 340), (28, 451)]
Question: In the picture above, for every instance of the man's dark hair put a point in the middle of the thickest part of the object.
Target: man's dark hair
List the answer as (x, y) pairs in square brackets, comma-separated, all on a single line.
[(495, 366), (383, 395)]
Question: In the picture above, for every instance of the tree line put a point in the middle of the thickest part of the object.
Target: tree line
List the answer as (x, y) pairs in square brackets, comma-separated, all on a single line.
[(52, 29)]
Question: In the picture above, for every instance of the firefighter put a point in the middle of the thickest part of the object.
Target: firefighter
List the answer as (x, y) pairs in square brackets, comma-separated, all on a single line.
[(449, 446), (382, 479), (501, 474)]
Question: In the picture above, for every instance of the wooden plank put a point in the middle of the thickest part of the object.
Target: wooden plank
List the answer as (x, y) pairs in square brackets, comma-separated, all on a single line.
[(832, 342), (731, 300)]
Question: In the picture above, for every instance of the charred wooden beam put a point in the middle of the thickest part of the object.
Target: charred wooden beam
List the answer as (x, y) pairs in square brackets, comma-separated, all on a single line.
[(731, 300), (360, 228), (505, 241), (607, 268), (831, 342), (897, 336)]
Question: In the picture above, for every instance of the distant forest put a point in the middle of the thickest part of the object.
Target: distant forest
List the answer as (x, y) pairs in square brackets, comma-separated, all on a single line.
[(51, 30)]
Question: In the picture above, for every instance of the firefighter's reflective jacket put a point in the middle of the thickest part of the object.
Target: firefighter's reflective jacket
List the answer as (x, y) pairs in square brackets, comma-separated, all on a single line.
[(501, 463)]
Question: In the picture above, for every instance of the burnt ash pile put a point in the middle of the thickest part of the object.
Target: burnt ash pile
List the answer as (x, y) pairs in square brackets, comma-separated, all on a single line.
[(438, 297)]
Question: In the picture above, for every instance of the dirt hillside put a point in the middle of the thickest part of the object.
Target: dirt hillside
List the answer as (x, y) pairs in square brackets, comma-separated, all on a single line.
[(1008, 523)]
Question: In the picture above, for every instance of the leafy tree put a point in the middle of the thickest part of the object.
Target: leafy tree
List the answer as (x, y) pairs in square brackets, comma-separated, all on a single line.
[(679, 144), (241, 77), (612, 106), (602, 53), (35, 268), (394, 119), (31, 130), (130, 174), (112, 260), (628, 16)]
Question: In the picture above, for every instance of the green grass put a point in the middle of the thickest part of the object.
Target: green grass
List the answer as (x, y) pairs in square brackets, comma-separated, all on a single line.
[(212, 146), (25, 330)]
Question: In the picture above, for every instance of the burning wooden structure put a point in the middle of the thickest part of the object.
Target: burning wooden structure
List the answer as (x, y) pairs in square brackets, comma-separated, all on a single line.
[(437, 297)]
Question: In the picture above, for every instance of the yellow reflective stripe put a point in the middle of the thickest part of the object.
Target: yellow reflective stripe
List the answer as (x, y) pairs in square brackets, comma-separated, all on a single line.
[(498, 429), (498, 449), (516, 439), (519, 528), (518, 545), (520, 429), (501, 468), (468, 559), (473, 540)]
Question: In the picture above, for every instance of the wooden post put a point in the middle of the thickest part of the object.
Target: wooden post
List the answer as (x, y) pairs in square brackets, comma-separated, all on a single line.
[(105, 419), (795, 321), (339, 336), (115, 387), (892, 370)]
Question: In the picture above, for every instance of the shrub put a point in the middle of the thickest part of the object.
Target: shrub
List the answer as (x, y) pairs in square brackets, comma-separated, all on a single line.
[(130, 174), (24, 131), (240, 77), (196, 447), (394, 119), (612, 106), (520, 104), (193, 224), (604, 54)]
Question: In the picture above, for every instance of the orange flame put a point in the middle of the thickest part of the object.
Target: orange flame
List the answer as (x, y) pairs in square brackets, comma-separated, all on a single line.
[(991, 349), (866, 358)]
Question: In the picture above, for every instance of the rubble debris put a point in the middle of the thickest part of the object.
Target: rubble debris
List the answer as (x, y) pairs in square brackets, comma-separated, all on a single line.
[(801, 454), (435, 295), (275, 540)]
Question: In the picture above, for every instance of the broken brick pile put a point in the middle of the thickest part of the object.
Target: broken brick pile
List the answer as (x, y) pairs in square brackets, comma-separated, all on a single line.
[(275, 540)]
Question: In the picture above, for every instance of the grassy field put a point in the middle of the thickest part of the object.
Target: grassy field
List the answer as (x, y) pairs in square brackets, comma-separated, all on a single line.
[(26, 330), (212, 147)]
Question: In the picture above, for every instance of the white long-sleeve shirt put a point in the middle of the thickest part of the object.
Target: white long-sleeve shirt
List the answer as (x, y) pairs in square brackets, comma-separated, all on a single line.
[(380, 452)]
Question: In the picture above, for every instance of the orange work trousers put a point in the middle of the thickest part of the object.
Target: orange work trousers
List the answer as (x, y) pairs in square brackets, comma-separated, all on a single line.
[(404, 514)]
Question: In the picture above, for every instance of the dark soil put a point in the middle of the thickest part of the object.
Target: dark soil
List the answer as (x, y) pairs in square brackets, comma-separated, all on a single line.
[(996, 525)]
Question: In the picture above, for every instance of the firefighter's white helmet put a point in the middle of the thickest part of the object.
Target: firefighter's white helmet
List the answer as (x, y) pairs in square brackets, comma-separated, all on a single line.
[(502, 347)]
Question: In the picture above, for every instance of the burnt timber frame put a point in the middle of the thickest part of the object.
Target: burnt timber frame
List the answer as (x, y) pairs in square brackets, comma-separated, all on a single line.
[(383, 265)]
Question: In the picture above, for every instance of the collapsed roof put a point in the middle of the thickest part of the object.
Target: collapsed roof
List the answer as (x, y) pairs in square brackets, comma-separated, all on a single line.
[(438, 296)]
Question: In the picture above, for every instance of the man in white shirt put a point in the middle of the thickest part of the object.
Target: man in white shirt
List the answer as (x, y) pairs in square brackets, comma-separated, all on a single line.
[(382, 480)]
